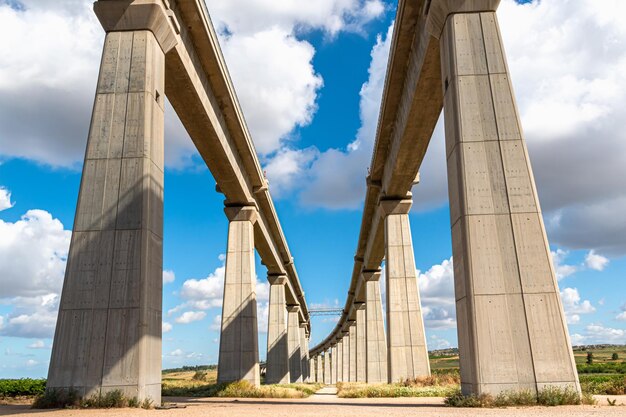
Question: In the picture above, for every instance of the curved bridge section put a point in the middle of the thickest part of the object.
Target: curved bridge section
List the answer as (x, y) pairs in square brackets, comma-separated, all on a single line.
[(108, 333), (511, 327)]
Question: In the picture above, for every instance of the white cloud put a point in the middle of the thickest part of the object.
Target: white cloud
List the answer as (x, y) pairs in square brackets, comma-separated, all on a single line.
[(33, 251), (562, 269), (621, 316), (5, 199), (437, 342), (337, 177), (177, 352), (597, 333), (286, 169), (166, 327), (596, 261), (217, 323), (168, 276), (436, 288), (262, 310), (190, 316), (31, 362), (574, 306), (37, 344)]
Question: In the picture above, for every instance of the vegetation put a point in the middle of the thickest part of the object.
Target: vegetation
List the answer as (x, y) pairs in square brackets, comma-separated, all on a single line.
[(21, 387), (603, 384), (551, 396), (589, 358), (439, 384), (614, 356), (241, 389), (71, 399)]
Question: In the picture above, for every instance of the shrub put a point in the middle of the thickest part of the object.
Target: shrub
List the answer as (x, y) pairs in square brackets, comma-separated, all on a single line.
[(199, 376), (614, 356), (549, 396), (589, 360), (603, 384), (57, 398), (21, 387)]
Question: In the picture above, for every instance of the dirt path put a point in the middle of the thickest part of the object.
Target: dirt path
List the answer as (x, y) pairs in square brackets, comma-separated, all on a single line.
[(325, 403)]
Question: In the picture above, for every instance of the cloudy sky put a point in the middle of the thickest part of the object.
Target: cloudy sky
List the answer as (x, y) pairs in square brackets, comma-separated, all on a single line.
[(309, 76)]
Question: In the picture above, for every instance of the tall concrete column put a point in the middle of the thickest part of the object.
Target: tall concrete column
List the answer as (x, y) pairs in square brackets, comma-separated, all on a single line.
[(293, 342), (307, 367), (333, 364), (327, 373), (239, 350), (353, 351), (339, 361), (320, 368), (376, 371), (361, 343), (277, 371), (304, 351), (407, 355), (511, 327), (108, 332), (345, 360)]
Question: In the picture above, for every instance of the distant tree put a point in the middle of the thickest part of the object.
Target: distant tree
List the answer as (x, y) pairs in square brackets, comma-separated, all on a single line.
[(589, 358), (615, 356)]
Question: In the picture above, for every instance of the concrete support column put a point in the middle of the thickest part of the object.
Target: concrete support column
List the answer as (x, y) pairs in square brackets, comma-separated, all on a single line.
[(293, 342), (376, 350), (333, 365), (345, 360), (407, 355), (339, 361), (327, 373), (277, 347), (511, 327), (353, 351), (239, 350), (361, 343), (307, 367), (304, 352), (108, 332), (320, 368)]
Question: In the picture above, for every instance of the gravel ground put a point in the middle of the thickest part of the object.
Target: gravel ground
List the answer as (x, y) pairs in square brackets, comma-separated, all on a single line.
[(325, 403)]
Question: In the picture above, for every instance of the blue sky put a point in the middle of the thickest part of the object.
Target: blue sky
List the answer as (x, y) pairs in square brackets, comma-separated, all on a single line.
[(309, 78)]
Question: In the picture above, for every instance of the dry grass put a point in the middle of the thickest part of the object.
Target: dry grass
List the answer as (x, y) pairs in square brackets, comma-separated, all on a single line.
[(550, 396)]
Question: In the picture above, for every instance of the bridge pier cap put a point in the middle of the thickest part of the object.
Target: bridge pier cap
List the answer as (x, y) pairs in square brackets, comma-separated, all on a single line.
[(437, 11), (131, 15)]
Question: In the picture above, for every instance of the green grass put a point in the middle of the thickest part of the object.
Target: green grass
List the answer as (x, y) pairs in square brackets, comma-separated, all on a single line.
[(440, 384), (600, 384), (21, 387), (550, 396)]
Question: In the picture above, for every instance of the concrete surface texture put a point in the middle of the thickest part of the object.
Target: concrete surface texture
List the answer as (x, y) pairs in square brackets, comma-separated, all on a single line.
[(108, 333), (239, 351), (406, 338), (277, 348), (319, 364), (512, 330), (361, 344), (345, 361), (333, 365), (353, 353), (376, 371), (328, 378), (293, 342), (304, 352), (339, 361)]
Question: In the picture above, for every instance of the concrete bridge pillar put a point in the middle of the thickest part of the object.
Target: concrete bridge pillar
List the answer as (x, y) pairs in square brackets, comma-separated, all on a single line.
[(320, 368), (327, 367), (333, 365), (406, 340), (345, 360), (304, 352), (277, 347), (239, 351), (339, 361), (511, 327), (376, 349), (293, 343), (353, 350), (361, 343), (108, 332)]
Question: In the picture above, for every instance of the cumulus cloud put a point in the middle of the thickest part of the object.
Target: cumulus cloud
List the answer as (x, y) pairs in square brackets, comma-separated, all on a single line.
[(37, 344), (337, 176), (168, 276), (596, 261), (190, 316), (33, 251), (598, 333), (5, 199), (286, 169), (622, 316), (562, 269), (574, 306), (166, 327), (436, 288)]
